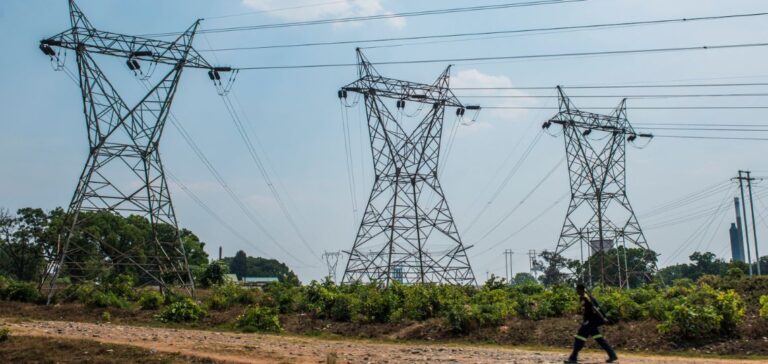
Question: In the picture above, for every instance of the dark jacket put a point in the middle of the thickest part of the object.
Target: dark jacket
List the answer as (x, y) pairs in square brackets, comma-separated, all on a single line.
[(591, 311)]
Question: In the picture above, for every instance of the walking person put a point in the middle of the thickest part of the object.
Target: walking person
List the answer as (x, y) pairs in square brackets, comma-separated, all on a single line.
[(590, 327)]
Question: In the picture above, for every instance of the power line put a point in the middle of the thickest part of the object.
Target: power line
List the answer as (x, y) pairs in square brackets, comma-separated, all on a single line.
[(517, 57), (499, 32), (708, 137), (628, 86), (610, 96), (278, 9), (632, 108), (374, 17)]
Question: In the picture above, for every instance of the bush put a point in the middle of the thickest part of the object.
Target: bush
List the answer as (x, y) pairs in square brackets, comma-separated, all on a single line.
[(617, 305), (457, 317), (183, 310), (703, 312), (106, 316), (691, 321), (20, 291), (229, 294), (5, 333), (256, 318), (491, 307), (150, 299), (764, 306)]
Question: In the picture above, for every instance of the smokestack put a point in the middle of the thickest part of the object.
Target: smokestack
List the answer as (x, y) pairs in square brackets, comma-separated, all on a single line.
[(219, 252), (737, 253)]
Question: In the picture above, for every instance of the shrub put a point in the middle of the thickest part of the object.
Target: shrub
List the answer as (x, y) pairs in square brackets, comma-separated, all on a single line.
[(617, 305), (183, 310), (492, 307), (106, 316), (374, 304), (419, 302), (256, 318), (21, 291), (150, 299), (5, 333), (764, 306), (457, 317), (704, 312), (227, 295)]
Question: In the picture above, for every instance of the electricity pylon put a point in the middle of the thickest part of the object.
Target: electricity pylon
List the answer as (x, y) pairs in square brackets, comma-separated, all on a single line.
[(600, 218), (401, 222), (123, 173), (331, 261)]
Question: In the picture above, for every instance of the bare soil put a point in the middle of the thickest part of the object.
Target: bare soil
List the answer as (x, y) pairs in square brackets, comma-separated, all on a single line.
[(232, 347), (30, 349)]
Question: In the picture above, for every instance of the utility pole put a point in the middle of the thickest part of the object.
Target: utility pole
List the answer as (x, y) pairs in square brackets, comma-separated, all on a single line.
[(754, 228), (531, 261), (741, 180), (508, 264)]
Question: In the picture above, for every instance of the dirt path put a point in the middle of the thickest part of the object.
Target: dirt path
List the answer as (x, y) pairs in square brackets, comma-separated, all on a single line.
[(255, 348)]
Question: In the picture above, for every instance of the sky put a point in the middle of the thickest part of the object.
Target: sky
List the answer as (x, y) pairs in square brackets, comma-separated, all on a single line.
[(295, 120)]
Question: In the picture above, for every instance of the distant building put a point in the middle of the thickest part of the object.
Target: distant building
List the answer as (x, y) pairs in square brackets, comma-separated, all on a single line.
[(230, 278), (600, 246), (257, 281), (737, 249)]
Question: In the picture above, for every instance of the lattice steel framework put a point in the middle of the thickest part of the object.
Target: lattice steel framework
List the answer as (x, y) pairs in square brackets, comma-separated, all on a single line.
[(123, 172), (599, 216), (401, 222)]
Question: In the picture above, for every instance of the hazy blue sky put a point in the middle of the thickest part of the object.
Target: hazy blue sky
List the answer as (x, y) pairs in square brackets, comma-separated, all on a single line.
[(297, 119)]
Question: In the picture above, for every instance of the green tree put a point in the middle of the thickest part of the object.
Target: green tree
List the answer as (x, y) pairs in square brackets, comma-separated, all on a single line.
[(239, 264), (22, 243)]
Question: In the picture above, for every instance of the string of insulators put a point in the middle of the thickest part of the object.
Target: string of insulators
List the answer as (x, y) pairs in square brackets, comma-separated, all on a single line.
[(342, 94), (586, 132), (133, 64), (546, 125), (401, 104), (214, 73), (460, 111), (47, 50)]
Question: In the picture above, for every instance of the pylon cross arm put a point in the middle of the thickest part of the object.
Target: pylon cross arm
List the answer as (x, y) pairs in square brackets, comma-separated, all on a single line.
[(128, 46), (403, 90)]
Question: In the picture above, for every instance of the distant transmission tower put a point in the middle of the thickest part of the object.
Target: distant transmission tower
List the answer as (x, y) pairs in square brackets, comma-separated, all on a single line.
[(599, 218), (332, 261), (123, 173), (402, 220)]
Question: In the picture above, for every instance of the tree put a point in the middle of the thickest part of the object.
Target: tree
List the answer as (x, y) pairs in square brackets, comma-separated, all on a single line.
[(239, 264), (214, 274), (639, 262), (22, 243), (523, 278), (260, 267)]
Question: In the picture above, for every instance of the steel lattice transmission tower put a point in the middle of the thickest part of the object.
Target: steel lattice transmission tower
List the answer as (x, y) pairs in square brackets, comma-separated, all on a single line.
[(124, 173), (401, 222), (331, 261), (600, 218)]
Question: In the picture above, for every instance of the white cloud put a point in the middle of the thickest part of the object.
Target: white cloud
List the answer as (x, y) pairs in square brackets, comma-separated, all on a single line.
[(475, 78), (303, 10)]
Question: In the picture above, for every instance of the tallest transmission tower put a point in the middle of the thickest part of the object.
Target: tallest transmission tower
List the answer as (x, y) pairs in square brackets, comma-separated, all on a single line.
[(123, 173), (600, 220), (407, 212)]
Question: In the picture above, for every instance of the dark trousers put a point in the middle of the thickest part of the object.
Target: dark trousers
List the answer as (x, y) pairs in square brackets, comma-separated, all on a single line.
[(586, 331)]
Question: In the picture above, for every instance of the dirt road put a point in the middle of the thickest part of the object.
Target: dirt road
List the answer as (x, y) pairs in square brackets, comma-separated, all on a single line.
[(256, 348)]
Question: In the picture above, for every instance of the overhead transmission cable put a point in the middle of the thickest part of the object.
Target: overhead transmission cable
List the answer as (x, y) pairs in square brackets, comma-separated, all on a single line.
[(515, 57), (531, 31), (238, 201), (409, 14), (505, 182), (522, 201), (244, 135), (622, 86)]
